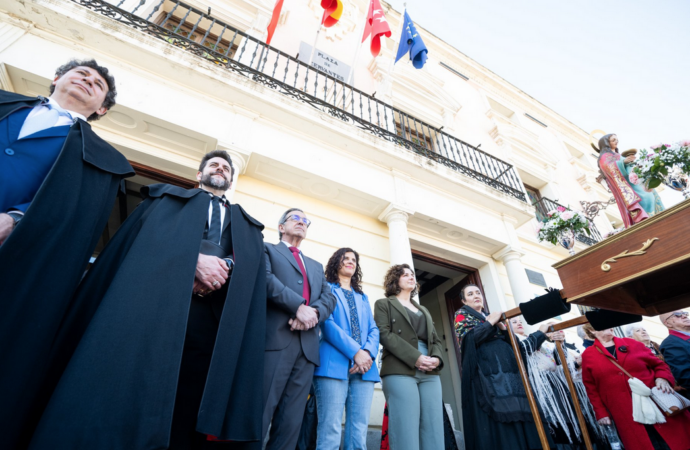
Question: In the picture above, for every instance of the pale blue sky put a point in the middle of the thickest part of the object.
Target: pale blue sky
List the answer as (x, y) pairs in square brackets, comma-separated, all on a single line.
[(622, 66)]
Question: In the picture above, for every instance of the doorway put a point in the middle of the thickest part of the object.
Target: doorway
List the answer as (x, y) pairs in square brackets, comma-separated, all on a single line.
[(440, 283)]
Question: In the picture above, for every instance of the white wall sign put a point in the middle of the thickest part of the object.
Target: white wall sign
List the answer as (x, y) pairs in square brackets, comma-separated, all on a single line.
[(324, 62)]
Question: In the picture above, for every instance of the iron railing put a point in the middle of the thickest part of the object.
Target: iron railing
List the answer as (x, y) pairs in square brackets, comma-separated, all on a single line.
[(544, 205), (198, 32)]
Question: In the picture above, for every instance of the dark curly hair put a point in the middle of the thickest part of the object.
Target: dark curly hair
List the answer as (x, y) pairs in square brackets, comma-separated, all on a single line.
[(334, 264), (392, 279), (109, 101)]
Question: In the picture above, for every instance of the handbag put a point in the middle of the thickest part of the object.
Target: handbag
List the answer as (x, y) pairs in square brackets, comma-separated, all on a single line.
[(670, 404)]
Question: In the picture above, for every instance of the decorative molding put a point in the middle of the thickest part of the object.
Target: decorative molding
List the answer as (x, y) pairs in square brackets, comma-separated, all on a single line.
[(5, 80), (395, 213)]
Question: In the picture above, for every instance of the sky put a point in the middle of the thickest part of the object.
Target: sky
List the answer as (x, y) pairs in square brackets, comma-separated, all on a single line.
[(622, 66)]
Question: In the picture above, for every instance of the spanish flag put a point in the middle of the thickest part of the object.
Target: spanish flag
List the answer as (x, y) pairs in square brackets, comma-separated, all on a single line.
[(333, 10)]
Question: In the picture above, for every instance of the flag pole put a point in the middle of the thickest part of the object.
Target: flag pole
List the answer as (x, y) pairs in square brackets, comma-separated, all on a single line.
[(316, 39), (350, 77), (391, 65)]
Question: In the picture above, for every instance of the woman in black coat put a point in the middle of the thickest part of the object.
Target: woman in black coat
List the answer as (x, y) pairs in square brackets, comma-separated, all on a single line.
[(495, 410)]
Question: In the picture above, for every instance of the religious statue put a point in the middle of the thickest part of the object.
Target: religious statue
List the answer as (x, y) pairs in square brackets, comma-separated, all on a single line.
[(635, 202)]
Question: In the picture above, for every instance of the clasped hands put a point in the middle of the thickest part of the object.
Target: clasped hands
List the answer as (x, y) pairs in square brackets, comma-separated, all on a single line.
[(305, 319), (211, 274), (427, 363), (362, 362)]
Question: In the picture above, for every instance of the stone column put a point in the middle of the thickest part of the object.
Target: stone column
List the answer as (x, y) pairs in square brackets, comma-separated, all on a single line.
[(517, 277), (399, 240), (239, 164)]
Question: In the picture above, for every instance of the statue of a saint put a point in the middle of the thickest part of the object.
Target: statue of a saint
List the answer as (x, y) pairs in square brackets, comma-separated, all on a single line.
[(634, 201)]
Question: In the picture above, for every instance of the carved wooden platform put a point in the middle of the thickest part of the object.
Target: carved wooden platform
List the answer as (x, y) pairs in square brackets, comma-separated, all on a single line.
[(642, 270)]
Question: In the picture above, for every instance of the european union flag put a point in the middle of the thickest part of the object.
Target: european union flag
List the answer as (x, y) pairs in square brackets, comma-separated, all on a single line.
[(411, 41)]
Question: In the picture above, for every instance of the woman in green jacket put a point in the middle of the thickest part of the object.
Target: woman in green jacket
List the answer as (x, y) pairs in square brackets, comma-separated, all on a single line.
[(412, 360)]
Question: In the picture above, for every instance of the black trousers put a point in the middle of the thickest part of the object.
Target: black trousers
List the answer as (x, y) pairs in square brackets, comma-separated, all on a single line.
[(287, 379), (200, 338)]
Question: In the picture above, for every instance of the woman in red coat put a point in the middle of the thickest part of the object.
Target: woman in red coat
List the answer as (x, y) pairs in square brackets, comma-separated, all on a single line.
[(610, 395)]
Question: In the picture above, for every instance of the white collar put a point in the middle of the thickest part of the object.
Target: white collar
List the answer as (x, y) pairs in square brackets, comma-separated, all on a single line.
[(75, 115)]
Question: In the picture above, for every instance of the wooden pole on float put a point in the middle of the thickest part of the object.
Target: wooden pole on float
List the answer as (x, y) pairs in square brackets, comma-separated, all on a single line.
[(525, 379), (568, 376)]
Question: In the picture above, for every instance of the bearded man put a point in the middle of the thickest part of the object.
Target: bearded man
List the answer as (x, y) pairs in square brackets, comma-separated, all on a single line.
[(173, 355)]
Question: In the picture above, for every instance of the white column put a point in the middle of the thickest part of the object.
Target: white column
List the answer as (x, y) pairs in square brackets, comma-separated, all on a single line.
[(517, 277), (399, 240), (239, 164)]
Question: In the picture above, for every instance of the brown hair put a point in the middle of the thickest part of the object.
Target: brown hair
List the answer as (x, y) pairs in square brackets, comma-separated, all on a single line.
[(336, 262), (392, 279)]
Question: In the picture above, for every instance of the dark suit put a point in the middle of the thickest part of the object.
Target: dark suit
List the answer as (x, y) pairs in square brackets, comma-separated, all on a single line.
[(676, 351), (25, 163), (290, 356)]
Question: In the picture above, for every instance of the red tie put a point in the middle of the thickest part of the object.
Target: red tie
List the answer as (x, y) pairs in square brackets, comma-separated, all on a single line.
[(305, 288)]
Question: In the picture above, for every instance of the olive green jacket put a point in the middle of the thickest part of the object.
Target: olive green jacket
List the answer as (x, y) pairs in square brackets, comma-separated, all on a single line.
[(399, 339)]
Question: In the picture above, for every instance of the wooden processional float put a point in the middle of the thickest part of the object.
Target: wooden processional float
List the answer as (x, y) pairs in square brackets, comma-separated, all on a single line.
[(642, 270)]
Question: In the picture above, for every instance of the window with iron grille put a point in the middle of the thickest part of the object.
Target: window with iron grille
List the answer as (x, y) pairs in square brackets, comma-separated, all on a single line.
[(184, 30)]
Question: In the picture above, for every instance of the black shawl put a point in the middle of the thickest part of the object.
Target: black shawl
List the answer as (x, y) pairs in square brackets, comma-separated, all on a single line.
[(43, 260), (118, 390)]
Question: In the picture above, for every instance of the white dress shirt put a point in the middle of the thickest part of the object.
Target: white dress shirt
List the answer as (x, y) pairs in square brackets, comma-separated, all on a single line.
[(42, 109)]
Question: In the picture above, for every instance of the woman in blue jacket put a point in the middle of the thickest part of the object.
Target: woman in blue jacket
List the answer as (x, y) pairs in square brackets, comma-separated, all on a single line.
[(349, 343)]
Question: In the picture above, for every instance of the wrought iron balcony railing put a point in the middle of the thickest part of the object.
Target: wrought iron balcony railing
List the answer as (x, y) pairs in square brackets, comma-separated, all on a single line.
[(544, 205), (200, 33)]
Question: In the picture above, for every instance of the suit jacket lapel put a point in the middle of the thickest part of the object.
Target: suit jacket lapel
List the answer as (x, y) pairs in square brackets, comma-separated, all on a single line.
[(397, 305), (228, 218), (285, 251)]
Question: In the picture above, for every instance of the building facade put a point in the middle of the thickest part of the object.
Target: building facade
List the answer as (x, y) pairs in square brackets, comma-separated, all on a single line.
[(447, 168)]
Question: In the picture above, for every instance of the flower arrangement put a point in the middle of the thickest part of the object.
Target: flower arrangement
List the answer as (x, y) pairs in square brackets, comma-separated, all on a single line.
[(559, 221), (653, 166)]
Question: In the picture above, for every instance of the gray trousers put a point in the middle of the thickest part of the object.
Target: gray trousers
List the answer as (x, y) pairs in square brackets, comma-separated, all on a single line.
[(415, 410), (287, 379)]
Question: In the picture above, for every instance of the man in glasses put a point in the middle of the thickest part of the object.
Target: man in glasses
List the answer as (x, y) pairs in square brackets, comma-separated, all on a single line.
[(298, 300), (676, 347), (173, 357)]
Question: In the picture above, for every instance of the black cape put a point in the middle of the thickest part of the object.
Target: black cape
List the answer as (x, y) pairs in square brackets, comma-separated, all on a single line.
[(118, 390), (494, 402), (43, 260)]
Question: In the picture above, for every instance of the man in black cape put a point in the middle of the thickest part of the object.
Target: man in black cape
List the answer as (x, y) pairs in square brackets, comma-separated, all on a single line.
[(58, 182), (160, 366)]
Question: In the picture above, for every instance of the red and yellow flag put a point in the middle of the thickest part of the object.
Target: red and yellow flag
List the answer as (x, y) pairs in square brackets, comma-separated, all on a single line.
[(332, 11), (274, 20)]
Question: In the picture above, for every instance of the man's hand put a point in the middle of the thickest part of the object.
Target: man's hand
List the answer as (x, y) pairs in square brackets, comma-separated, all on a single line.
[(296, 325), (211, 272), (6, 226), (362, 363), (198, 288), (307, 315)]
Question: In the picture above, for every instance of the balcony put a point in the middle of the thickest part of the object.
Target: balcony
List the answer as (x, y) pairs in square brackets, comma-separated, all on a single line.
[(198, 32), (544, 205)]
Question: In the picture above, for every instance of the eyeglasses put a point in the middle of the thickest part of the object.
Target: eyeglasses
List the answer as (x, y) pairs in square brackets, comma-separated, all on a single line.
[(297, 218), (681, 315)]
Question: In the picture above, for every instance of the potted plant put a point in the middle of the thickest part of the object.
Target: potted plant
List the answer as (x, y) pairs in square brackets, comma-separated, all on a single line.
[(560, 227)]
